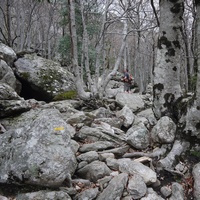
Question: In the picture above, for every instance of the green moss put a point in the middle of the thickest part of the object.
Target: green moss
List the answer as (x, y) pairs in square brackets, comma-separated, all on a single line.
[(25, 75), (72, 94), (195, 153)]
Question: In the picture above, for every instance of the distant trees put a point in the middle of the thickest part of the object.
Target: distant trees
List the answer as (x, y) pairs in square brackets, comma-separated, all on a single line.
[(110, 35)]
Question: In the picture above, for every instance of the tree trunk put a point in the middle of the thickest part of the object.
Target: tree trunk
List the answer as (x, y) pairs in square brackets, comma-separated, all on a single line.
[(166, 89), (77, 80)]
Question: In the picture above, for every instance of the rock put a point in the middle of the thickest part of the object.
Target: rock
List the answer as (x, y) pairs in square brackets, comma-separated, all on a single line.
[(13, 107), (88, 157), (177, 192), (37, 151), (8, 93), (7, 54), (164, 130), (113, 122), (133, 101), (94, 171), (104, 156), (116, 185), (151, 195), (127, 115), (166, 191), (138, 137), (131, 167), (41, 195), (7, 76), (196, 175), (149, 115), (136, 186), (102, 113), (10, 102), (44, 78), (88, 194)]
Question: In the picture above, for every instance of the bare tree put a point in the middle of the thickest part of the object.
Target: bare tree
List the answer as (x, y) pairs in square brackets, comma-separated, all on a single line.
[(166, 89)]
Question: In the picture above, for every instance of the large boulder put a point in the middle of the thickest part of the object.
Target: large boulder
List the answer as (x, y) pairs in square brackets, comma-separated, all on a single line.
[(133, 101), (37, 151), (7, 76), (43, 78), (7, 54)]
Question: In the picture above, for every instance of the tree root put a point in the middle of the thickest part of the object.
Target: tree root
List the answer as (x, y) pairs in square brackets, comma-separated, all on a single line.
[(177, 149), (156, 153)]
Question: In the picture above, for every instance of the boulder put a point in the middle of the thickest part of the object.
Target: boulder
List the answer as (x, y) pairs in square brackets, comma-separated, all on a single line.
[(164, 131), (196, 175), (7, 76), (37, 151), (133, 101), (7, 54), (138, 136), (44, 79)]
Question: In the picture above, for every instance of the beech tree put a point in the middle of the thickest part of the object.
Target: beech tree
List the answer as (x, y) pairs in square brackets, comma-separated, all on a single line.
[(99, 82), (166, 87)]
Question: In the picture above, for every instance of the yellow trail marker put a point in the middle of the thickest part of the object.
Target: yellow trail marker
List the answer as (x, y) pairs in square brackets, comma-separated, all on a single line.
[(60, 128)]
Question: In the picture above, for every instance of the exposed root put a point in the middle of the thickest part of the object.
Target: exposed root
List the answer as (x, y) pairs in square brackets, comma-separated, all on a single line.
[(156, 153), (178, 148)]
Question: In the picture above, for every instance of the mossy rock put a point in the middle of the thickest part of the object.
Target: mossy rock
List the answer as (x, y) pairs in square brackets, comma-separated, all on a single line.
[(72, 94)]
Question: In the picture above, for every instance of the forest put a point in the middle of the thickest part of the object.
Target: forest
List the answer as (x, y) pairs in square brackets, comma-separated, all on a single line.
[(158, 41)]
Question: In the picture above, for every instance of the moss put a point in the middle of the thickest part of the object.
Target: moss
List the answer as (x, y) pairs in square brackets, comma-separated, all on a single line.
[(72, 94), (195, 153), (25, 75)]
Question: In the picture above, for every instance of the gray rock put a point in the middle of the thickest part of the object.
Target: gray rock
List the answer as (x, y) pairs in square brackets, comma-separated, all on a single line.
[(113, 122), (149, 115), (38, 150), (88, 194), (13, 106), (136, 186), (102, 113), (196, 175), (41, 195), (127, 115), (138, 136), (94, 171), (115, 188), (112, 163), (152, 195), (177, 192), (7, 76), (88, 157), (131, 167), (3, 198), (7, 54), (45, 77), (166, 191), (8, 93), (133, 101), (164, 130)]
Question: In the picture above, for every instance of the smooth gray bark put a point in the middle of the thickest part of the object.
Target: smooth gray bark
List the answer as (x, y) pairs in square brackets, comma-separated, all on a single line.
[(166, 89)]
